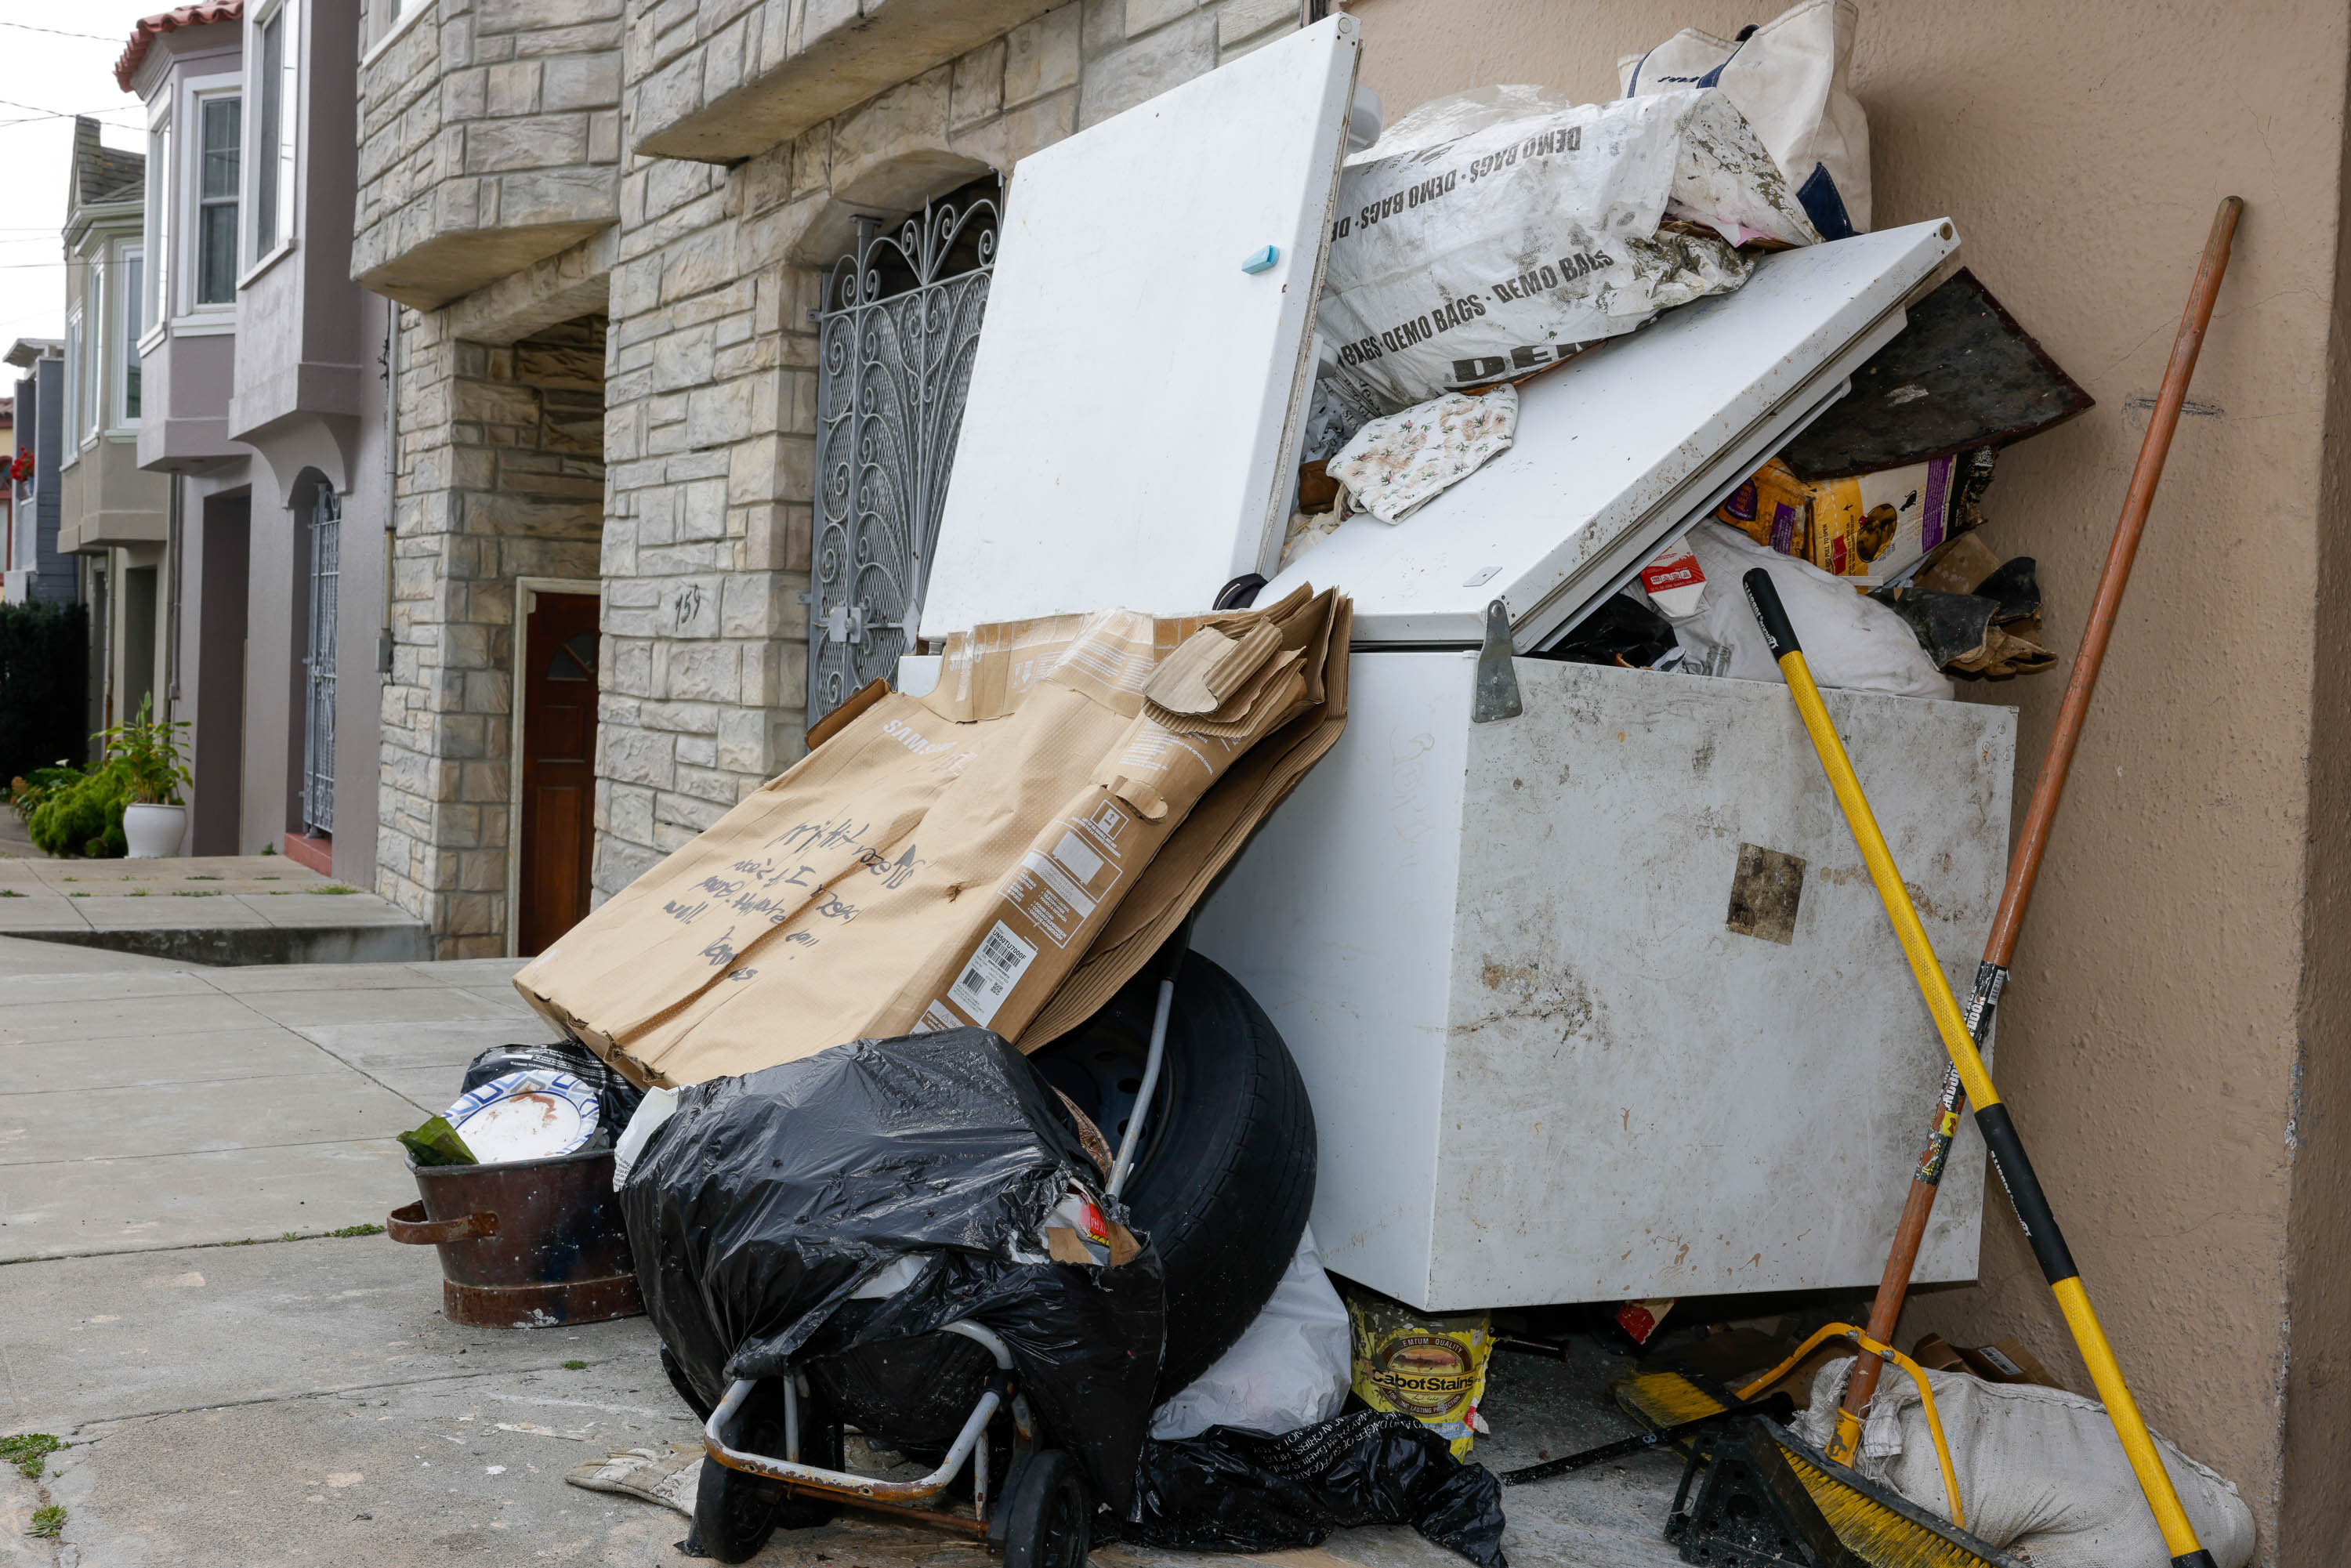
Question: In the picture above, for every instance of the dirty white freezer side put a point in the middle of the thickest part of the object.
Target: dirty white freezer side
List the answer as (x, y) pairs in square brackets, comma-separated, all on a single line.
[(1542, 1068)]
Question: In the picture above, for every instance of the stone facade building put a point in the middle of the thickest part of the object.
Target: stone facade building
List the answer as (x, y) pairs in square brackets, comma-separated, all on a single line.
[(670, 183)]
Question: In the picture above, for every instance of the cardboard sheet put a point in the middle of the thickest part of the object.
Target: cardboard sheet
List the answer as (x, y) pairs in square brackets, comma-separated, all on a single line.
[(965, 857)]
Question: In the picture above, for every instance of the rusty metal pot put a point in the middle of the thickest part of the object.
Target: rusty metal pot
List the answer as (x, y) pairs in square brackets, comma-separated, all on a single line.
[(524, 1243)]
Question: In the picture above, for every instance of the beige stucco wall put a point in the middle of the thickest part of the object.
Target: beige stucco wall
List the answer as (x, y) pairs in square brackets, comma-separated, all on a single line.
[(2167, 1050)]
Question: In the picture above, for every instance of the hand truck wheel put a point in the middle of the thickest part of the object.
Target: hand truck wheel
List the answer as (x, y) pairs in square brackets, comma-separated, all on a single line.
[(1048, 1514), (735, 1511)]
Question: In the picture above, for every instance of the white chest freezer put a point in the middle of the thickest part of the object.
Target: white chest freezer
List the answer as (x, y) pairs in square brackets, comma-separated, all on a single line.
[(1593, 1002), (1598, 1002)]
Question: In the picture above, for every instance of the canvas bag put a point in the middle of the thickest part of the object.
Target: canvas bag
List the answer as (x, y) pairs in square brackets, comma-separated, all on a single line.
[(1791, 79), (1490, 234), (956, 858)]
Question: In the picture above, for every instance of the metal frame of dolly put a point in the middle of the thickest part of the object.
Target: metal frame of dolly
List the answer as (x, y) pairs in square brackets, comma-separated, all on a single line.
[(898, 1497)]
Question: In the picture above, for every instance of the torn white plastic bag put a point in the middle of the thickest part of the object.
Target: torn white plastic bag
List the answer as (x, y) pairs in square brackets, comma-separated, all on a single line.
[(1396, 462), (1289, 1369), (1788, 78), (1850, 642), (1488, 235), (2040, 1472)]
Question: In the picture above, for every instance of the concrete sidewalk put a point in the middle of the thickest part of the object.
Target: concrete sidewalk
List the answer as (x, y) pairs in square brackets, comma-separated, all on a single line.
[(241, 1386), (216, 910)]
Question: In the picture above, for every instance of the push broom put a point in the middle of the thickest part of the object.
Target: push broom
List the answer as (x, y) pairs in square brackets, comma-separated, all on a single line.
[(2000, 1134)]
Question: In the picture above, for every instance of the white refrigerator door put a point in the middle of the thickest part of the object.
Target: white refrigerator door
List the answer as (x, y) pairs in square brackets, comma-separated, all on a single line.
[(1129, 435), (1617, 450)]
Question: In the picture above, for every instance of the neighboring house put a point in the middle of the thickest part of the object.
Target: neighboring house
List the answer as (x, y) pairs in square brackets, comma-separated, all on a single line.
[(264, 415), (35, 567), (111, 514)]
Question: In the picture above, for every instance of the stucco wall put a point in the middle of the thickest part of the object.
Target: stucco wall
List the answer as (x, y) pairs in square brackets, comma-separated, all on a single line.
[(2161, 1011)]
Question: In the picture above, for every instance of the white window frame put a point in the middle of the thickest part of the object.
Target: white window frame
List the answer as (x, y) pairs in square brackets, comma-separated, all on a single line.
[(72, 442), (284, 162), (188, 186), (155, 287), (122, 255), (405, 15)]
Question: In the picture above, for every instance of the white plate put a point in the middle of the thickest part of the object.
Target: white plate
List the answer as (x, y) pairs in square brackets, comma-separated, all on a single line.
[(532, 1115)]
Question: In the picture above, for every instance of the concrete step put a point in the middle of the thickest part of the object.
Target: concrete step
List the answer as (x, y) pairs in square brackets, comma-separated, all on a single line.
[(219, 909)]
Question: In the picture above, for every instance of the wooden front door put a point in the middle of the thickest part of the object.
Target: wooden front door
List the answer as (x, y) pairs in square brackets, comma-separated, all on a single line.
[(559, 767)]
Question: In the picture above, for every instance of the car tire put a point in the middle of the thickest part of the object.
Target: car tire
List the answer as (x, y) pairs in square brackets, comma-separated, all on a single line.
[(1224, 1179)]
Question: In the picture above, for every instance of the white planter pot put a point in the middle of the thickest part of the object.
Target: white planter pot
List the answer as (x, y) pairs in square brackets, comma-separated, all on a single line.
[(154, 831)]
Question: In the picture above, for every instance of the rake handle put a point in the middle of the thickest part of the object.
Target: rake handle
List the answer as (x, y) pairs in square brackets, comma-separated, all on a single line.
[(2040, 815)]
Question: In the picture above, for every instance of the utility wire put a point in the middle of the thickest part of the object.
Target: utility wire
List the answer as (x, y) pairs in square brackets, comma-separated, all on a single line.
[(61, 33)]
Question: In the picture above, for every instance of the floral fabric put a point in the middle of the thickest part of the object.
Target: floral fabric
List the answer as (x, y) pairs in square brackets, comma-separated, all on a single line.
[(1398, 461)]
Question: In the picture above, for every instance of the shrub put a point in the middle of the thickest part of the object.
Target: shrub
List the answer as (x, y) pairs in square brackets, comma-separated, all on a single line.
[(82, 818), (44, 682)]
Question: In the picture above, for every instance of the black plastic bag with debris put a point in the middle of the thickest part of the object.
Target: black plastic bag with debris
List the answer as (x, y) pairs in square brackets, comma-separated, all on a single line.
[(616, 1097), (760, 1207), (1234, 1490)]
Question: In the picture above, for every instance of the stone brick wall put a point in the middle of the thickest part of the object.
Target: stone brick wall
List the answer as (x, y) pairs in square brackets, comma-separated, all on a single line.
[(710, 424), (498, 474), (489, 137)]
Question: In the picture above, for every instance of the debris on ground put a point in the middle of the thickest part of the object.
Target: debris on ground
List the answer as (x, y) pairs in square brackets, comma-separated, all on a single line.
[(1231, 1491), (667, 1475)]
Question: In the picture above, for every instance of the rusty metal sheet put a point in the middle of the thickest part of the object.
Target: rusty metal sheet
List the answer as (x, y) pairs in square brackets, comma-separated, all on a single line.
[(1961, 375)]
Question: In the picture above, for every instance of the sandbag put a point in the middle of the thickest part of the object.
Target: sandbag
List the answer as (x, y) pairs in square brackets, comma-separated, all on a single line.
[(764, 1203), (1490, 234), (2040, 1471), (1789, 80), (1849, 642), (1289, 1369)]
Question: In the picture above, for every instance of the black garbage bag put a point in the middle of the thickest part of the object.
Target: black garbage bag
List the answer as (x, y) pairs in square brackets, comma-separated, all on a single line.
[(616, 1097), (766, 1200), (1233, 1491)]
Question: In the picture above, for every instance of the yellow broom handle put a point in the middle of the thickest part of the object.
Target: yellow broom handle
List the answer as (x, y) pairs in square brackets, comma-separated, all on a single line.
[(2001, 1138)]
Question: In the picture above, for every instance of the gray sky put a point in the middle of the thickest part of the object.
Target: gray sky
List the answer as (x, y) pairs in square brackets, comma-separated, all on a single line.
[(57, 59)]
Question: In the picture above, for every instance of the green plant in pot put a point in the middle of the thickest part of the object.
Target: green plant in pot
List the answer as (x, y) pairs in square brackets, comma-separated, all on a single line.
[(145, 758)]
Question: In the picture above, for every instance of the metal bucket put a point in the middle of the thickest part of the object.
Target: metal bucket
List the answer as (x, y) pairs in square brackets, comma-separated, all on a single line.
[(524, 1243)]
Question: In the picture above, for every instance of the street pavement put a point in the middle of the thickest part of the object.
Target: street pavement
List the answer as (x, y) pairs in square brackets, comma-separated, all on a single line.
[(240, 1386)]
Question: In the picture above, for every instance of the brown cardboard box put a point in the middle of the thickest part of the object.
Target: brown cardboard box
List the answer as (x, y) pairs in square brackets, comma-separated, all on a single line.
[(1006, 850)]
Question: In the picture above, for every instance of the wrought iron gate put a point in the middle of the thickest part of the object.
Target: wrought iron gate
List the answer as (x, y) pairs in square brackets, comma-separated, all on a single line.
[(318, 664), (899, 322)]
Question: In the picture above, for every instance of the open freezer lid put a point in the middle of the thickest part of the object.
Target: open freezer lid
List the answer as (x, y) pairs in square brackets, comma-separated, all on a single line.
[(1131, 431), (1622, 447)]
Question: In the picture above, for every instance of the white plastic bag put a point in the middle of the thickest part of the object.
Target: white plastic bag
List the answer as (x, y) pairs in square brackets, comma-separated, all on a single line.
[(1490, 234), (1288, 1370), (2040, 1471), (1849, 641), (658, 1106), (1789, 80)]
